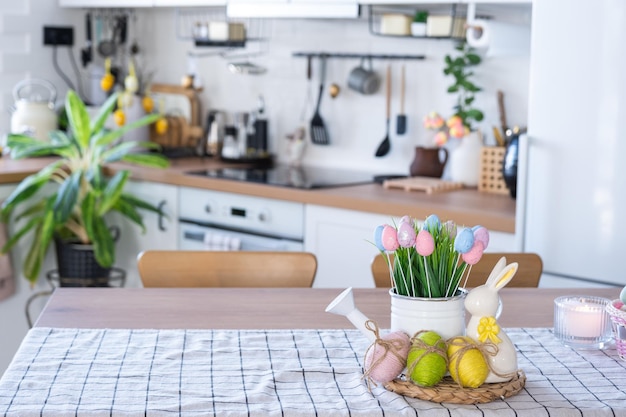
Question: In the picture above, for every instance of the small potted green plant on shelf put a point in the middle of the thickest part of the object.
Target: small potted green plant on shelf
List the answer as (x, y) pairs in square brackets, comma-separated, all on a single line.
[(74, 214), (418, 26)]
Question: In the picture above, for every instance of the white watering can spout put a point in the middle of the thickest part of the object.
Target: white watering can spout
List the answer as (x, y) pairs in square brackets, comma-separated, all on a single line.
[(343, 305)]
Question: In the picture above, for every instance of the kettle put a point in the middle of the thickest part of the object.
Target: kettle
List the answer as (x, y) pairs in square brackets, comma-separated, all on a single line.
[(34, 113)]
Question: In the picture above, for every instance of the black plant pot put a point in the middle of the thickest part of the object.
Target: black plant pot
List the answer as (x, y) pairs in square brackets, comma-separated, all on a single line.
[(509, 165), (77, 266)]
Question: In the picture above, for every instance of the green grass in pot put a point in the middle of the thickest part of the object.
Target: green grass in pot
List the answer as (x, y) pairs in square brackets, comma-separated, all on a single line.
[(421, 16), (83, 196)]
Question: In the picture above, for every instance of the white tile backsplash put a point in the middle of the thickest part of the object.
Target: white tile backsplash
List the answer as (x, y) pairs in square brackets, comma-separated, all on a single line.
[(356, 123)]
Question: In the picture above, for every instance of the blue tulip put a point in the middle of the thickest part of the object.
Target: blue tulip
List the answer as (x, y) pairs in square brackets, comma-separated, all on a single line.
[(464, 241)]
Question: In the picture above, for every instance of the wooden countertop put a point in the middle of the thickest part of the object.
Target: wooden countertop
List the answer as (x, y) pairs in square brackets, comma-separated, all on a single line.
[(466, 207), (265, 308)]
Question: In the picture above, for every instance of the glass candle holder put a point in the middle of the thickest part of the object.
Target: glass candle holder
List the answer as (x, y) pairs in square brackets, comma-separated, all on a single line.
[(582, 322), (618, 321)]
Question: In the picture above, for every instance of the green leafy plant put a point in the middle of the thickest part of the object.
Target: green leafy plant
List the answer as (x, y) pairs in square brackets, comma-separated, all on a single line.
[(460, 68), (421, 16), (83, 194)]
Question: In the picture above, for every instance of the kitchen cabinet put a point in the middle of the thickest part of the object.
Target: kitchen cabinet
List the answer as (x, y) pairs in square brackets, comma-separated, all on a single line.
[(161, 232), (342, 240), (106, 3), (323, 9), (188, 3)]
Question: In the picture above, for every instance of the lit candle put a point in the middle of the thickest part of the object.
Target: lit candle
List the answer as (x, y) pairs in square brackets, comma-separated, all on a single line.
[(583, 320)]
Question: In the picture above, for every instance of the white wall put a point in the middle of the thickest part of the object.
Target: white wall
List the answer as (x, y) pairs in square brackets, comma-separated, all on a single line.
[(23, 55)]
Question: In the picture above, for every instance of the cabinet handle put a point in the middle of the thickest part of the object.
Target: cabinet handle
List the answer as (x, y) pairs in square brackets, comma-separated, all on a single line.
[(161, 216)]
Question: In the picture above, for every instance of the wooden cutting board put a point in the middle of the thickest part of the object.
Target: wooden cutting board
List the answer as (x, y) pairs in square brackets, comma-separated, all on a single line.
[(426, 184)]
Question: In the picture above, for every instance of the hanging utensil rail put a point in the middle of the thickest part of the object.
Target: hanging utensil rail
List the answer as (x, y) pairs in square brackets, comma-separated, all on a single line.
[(343, 55)]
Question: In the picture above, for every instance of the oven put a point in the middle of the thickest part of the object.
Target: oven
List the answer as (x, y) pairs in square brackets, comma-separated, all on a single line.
[(215, 220)]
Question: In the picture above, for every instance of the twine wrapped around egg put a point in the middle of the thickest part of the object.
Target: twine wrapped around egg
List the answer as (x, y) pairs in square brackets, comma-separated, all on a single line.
[(386, 357), (427, 360), (468, 366)]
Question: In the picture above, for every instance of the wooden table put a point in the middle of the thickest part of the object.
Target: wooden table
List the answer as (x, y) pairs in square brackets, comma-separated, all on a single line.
[(261, 308)]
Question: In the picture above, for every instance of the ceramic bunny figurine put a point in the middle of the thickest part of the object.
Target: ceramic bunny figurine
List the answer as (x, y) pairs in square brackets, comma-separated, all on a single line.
[(482, 303)]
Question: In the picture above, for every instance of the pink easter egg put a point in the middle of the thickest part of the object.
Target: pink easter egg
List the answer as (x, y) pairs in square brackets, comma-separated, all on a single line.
[(424, 243), (406, 235), (472, 256), (390, 238), (381, 364), (481, 234)]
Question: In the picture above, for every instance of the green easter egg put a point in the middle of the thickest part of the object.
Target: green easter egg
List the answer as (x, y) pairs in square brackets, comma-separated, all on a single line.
[(429, 369)]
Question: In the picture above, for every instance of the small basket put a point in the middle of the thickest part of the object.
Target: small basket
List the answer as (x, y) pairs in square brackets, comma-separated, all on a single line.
[(618, 322), (491, 179), (448, 391)]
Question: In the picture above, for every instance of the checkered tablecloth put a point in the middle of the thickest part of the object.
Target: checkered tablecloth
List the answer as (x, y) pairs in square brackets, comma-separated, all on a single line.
[(104, 372)]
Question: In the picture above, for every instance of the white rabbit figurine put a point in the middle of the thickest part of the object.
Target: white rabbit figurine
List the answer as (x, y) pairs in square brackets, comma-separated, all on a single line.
[(482, 303)]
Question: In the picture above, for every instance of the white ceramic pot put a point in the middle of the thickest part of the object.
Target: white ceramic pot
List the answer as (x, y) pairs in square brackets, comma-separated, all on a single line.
[(464, 161), (446, 316), (418, 29)]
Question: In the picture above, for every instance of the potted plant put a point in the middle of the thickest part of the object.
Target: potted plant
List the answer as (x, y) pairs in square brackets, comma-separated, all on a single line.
[(464, 158), (74, 213), (418, 26), (427, 266)]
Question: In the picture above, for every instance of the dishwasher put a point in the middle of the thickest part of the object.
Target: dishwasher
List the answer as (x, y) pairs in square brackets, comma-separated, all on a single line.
[(216, 220)]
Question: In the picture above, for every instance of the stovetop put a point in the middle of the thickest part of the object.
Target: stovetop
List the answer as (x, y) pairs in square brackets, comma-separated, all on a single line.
[(304, 177)]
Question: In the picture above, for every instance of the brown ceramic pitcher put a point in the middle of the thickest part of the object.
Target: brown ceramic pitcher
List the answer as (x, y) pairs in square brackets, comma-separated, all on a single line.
[(428, 162)]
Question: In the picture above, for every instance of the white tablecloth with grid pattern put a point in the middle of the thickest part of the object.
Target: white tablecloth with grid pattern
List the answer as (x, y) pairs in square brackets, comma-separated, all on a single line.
[(104, 372)]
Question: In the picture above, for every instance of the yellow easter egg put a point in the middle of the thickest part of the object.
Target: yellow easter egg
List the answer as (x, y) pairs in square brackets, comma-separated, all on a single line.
[(426, 362), (107, 81), (148, 104), (119, 117), (467, 364), (161, 126)]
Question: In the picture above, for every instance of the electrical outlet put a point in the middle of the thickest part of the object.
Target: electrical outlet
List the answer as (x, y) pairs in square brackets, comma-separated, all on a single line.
[(58, 35)]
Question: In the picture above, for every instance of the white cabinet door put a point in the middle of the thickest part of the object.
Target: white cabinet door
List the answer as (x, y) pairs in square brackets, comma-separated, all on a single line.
[(186, 3), (161, 232), (106, 3), (312, 9), (342, 241)]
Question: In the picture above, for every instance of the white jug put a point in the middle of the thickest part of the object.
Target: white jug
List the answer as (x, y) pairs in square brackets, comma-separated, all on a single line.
[(34, 113)]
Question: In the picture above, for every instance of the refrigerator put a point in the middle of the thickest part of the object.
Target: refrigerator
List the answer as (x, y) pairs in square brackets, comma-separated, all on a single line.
[(573, 202)]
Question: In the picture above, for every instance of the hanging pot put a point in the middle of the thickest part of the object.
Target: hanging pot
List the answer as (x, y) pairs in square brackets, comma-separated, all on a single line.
[(34, 113)]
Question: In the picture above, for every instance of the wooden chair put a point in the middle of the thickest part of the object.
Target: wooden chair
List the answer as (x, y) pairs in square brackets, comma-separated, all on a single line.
[(226, 269), (528, 274)]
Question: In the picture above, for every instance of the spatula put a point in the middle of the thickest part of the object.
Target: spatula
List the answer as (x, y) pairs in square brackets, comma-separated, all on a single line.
[(385, 145), (319, 135)]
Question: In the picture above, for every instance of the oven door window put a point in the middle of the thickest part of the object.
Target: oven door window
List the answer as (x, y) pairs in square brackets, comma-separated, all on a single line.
[(193, 237)]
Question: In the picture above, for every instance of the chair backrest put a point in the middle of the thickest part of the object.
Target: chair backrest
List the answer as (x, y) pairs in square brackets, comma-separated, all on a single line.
[(226, 269), (528, 274)]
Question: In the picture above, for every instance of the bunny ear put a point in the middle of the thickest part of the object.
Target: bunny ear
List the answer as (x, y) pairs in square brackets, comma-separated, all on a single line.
[(498, 267), (503, 277)]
